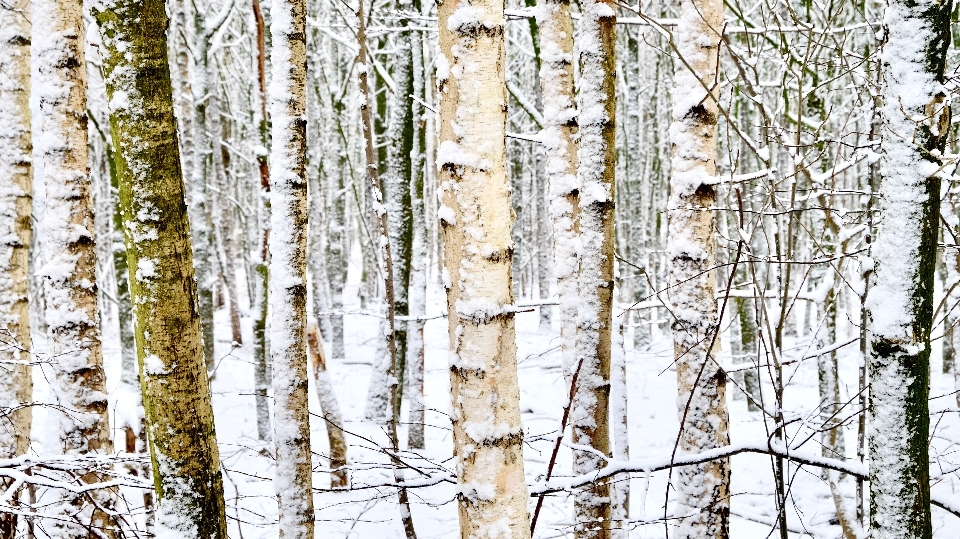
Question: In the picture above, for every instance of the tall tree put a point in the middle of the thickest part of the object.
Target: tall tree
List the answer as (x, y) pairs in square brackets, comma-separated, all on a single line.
[(916, 119), (595, 177), (288, 268), (16, 188), (79, 423), (176, 392), (703, 503), (477, 216)]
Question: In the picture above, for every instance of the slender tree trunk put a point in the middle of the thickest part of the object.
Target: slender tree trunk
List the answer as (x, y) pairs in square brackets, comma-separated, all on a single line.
[(703, 489), (901, 302), (396, 186), (560, 150), (261, 369), (80, 424), (419, 262), (16, 189), (330, 409), (176, 392), (477, 216), (597, 157), (199, 209), (288, 280), (388, 328)]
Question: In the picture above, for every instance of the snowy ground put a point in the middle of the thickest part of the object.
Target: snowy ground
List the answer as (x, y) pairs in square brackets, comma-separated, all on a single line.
[(371, 510)]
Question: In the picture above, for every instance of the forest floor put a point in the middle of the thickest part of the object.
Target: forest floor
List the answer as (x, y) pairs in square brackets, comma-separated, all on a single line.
[(371, 511)]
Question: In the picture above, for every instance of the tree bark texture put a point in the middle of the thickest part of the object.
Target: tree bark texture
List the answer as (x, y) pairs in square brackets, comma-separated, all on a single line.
[(477, 216), (703, 503), (915, 123), (288, 269), (16, 190), (176, 392)]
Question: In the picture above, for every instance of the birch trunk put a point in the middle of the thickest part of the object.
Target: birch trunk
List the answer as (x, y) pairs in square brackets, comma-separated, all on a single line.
[(418, 256), (288, 280), (176, 392), (330, 409), (703, 490), (396, 186), (560, 153), (199, 208), (595, 175), (16, 383), (476, 216), (261, 370), (916, 119), (78, 384)]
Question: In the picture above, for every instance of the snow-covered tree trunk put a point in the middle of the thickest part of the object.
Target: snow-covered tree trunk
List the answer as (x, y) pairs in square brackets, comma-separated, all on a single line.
[(589, 418), (477, 216), (78, 424), (176, 392), (916, 120), (395, 180), (703, 491), (16, 188), (419, 257), (330, 409), (259, 302), (200, 221), (560, 151), (288, 278)]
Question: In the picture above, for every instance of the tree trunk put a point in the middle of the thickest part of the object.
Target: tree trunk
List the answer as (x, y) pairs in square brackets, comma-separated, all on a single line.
[(288, 280), (916, 120), (199, 209), (330, 409), (703, 490), (80, 424), (476, 216), (597, 157), (176, 392), (419, 263), (396, 186), (260, 303), (16, 383)]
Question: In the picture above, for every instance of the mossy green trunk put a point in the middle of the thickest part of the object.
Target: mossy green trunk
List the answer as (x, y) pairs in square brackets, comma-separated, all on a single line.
[(176, 392)]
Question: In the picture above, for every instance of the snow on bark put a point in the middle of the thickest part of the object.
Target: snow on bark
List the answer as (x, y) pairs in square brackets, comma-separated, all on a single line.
[(478, 250), (916, 118), (560, 152), (288, 283), (330, 408), (16, 187), (595, 176), (703, 490), (176, 391), (79, 423)]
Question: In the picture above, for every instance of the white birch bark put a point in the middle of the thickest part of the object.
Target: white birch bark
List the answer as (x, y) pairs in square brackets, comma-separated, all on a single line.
[(330, 408), (16, 188), (589, 417), (560, 152), (476, 216), (703, 491), (288, 282), (79, 425)]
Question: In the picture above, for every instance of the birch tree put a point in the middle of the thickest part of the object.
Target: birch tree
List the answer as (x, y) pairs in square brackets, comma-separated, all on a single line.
[(288, 277), (595, 176), (703, 504), (16, 188), (916, 118), (79, 424), (476, 216), (176, 392)]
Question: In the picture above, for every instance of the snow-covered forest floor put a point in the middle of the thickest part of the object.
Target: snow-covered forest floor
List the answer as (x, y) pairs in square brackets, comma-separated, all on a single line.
[(370, 509)]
